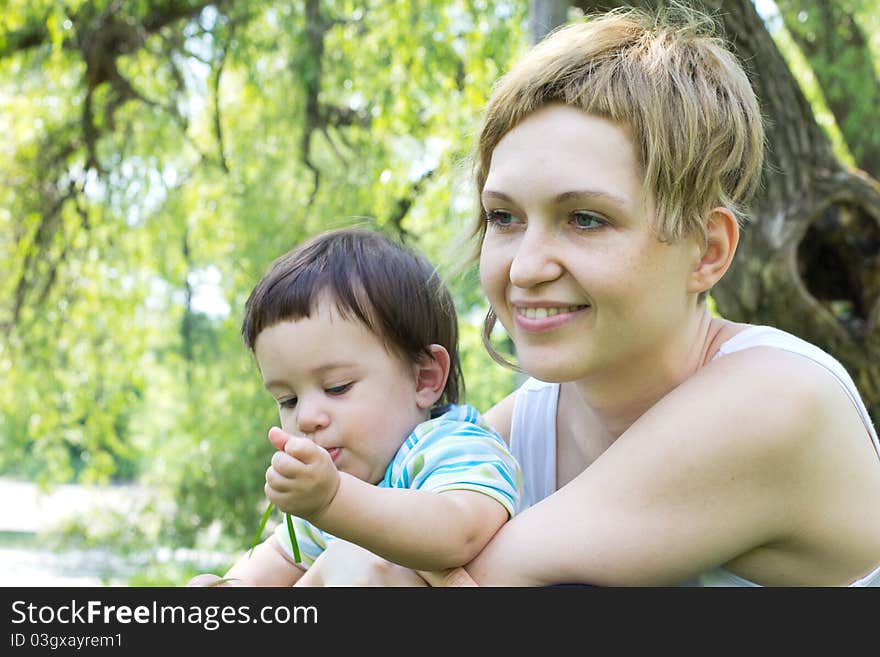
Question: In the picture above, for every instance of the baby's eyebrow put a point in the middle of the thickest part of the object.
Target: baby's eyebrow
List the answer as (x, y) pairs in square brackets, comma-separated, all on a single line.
[(323, 368), (326, 367), (274, 383)]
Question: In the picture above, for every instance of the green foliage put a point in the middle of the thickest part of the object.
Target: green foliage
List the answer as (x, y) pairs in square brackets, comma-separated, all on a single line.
[(833, 49), (134, 220), (149, 179)]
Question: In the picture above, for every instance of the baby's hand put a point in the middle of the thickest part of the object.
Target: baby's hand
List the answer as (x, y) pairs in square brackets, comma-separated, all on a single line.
[(302, 479)]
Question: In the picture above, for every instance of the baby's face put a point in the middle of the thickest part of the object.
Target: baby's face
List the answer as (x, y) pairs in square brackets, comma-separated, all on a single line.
[(336, 384)]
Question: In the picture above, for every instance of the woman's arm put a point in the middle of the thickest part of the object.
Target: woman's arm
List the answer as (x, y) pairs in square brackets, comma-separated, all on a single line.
[(711, 472), (500, 416)]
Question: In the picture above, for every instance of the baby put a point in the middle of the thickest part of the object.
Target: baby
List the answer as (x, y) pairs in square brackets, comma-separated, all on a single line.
[(356, 339)]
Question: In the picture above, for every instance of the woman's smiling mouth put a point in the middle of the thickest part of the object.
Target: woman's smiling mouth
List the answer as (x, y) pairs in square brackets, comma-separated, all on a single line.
[(536, 319)]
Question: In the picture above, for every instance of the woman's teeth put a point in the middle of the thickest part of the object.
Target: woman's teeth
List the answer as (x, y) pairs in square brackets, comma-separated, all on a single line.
[(541, 313)]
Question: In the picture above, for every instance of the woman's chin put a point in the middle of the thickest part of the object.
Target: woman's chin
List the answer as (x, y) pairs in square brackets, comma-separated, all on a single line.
[(551, 370)]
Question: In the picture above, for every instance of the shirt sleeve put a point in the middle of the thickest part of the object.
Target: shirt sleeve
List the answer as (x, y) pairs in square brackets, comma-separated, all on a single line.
[(311, 540), (454, 455)]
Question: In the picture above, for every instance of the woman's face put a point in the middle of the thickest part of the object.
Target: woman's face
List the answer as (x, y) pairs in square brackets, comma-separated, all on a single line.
[(569, 262)]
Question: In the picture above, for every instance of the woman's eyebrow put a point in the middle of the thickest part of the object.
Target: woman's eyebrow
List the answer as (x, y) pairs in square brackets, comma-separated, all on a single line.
[(589, 194), (501, 196), (564, 196)]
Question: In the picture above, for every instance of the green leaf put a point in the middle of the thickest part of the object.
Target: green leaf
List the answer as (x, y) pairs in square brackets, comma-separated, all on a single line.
[(292, 534), (266, 515), (222, 581)]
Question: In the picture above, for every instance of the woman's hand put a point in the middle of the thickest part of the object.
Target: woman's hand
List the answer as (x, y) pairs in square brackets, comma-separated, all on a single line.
[(203, 579), (449, 577), (211, 580), (347, 564)]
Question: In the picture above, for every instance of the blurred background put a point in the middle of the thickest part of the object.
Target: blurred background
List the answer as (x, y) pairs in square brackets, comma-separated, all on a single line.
[(157, 155)]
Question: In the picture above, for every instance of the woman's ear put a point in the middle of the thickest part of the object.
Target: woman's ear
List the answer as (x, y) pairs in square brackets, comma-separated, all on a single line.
[(431, 374), (722, 237)]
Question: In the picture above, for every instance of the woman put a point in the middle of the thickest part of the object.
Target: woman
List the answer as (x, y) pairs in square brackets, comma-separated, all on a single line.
[(659, 444)]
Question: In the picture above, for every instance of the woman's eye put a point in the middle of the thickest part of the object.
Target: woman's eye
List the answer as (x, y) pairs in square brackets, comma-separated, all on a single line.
[(587, 220), (287, 403), (339, 390), (499, 218)]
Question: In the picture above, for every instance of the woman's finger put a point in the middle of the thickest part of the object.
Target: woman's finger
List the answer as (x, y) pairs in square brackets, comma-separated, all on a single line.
[(450, 577)]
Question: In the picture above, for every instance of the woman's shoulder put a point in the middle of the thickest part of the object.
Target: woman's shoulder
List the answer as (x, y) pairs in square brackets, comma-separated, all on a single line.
[(783, 389), (765, 359), (790, 418)]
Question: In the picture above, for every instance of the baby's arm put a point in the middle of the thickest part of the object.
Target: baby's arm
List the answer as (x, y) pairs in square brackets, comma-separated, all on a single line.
[(451, 510), (419, 529), (416, 528)]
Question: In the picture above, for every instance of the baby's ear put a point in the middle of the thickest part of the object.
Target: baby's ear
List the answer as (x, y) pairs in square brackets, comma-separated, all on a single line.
[(431, 374)]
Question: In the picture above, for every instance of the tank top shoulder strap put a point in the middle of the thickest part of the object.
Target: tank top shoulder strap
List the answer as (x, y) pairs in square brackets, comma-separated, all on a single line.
[(533, 438)]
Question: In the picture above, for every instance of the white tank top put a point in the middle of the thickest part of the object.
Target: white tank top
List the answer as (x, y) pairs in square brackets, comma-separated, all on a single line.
[(533, 429)]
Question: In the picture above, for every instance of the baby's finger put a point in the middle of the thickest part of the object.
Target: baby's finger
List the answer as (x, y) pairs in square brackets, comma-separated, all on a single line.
[(272, 479), (276, 486), (285, 464), (284, 467), (278, 481), (301, 449), (278, 438)]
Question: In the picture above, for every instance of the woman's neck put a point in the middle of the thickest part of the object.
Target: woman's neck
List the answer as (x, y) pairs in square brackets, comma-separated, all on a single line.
[(617, 399)]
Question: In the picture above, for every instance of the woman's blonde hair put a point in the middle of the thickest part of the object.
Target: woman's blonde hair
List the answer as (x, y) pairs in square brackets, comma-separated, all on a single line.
[(683, 96)]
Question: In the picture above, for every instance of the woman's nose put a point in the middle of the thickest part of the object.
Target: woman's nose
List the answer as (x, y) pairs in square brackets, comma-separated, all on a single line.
[(534, 261)]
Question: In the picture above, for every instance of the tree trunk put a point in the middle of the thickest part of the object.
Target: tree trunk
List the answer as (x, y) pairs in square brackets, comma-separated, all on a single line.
[(544, 15), (809, 263)]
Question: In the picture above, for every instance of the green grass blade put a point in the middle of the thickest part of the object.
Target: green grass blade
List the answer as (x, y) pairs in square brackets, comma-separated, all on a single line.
[(292, 534), (222, 581), (266, 515)]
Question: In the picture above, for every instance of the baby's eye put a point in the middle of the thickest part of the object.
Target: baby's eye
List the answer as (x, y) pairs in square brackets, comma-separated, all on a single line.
[(587, 220), (287, 403), (339, 390)]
